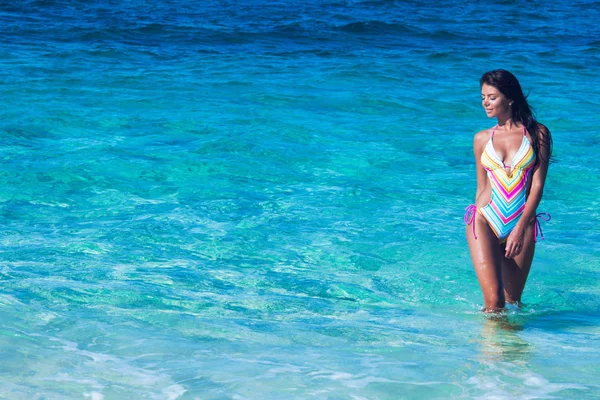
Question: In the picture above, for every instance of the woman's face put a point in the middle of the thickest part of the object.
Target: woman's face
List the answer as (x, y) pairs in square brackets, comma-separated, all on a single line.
[(494, 102)]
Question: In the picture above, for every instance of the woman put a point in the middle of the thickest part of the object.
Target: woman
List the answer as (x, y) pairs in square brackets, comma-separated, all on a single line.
[(512, 161)]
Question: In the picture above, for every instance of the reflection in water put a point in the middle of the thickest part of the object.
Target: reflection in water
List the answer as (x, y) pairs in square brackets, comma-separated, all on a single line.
[(500, 340), (506, 363)]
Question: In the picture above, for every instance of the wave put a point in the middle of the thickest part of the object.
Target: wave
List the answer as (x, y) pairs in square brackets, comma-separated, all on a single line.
[(375, 27), (324, 29)]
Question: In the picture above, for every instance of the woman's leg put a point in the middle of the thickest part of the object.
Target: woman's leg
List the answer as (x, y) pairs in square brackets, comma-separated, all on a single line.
[(516, 270), (486, 254)]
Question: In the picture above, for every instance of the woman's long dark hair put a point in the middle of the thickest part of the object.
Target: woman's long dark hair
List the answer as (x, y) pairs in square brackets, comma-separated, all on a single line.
[(509, 86)]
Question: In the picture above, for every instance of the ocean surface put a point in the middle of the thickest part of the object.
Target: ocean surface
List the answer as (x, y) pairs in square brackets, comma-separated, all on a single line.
[(264, 200)]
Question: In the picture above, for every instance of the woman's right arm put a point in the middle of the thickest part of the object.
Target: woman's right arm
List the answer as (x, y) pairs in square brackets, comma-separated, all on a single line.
[(479, 142)]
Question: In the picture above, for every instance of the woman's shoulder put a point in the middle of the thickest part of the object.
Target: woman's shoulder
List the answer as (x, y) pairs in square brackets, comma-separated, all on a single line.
[(483, 136), (542, 129), (481, 139), (543, 133)]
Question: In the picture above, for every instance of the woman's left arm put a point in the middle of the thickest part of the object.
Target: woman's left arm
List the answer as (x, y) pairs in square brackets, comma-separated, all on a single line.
[(514, 243)]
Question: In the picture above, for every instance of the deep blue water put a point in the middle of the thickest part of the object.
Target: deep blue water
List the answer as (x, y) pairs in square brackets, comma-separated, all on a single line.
[(264, 200)]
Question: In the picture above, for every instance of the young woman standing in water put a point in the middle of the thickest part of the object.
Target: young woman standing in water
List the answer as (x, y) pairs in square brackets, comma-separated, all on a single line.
[(512, 162)]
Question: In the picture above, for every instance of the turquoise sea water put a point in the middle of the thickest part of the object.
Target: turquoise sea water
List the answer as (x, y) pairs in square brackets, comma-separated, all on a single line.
[(260, 200)]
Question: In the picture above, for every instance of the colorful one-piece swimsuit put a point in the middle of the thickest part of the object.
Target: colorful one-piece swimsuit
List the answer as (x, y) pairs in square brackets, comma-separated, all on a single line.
[(509, 190)]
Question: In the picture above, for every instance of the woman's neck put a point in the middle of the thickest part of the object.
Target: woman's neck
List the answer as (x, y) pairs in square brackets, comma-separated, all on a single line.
[(506, 123)]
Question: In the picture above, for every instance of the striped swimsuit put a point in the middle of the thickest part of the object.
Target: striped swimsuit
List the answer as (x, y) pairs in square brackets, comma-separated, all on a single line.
[(509, 190)]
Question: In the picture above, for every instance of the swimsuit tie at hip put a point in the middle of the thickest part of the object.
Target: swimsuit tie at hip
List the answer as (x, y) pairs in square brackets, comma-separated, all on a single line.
[(538, 226), (469, 217)]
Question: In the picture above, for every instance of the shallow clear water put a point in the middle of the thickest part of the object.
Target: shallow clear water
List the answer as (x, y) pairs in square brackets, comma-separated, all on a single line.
[(264, 201)]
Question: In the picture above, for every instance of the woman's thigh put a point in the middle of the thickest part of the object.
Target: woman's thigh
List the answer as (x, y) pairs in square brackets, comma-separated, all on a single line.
[(486, 254), (516, 270)]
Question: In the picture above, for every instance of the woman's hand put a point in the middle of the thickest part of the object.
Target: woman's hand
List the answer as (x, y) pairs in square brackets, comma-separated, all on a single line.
[(514, 243)]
